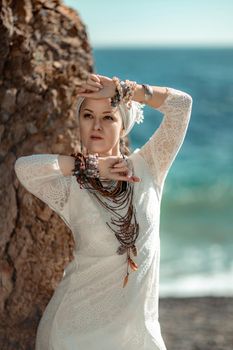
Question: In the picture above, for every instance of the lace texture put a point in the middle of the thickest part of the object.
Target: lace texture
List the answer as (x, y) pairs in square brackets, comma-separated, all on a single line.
[(41, 175), (90, 309), (161, 149)]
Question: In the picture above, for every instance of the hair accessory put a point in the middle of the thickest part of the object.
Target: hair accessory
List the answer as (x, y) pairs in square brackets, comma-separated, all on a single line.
[(131, 116), (139, 115)]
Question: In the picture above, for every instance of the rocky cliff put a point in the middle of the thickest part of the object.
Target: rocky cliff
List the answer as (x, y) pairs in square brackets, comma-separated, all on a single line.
[(44, 54)]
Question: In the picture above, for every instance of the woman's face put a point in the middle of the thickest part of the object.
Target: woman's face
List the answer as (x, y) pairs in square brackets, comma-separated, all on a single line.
[(99, 118)]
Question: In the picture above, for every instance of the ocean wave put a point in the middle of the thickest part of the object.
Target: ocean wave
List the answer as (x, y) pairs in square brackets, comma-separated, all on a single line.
[(217, 284)]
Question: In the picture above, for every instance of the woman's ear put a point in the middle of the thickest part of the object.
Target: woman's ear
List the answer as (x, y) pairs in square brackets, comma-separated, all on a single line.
[(122, 132)]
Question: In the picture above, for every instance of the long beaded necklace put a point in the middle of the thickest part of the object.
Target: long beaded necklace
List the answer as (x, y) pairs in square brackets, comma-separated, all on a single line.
[(115, 196)]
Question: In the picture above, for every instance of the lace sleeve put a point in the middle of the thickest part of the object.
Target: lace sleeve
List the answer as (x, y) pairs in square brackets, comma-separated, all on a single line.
[(161, 149), (41, 175)]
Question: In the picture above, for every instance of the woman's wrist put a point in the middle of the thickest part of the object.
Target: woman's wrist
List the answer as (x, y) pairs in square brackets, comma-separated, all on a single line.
[(126, 91), (142, 94), (157, 98), (101, 167), (112, 89), (139, 94)]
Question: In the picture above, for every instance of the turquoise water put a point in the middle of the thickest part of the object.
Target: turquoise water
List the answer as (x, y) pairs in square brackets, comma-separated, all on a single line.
[(196, 227)]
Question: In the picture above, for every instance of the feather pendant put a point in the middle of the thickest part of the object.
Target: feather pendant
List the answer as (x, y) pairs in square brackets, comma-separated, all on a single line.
[(121, 250), (134, 250), (126, 280), (132, 264)]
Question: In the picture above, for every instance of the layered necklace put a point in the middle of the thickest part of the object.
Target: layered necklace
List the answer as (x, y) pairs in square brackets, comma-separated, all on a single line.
[(114, 196)]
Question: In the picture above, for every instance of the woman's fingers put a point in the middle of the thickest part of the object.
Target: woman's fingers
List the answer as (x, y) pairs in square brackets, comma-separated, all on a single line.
[(123, 168), (87, 86), (92, 81), (124, 174), (120, 163), (119, 169), (136, 178), (94, 84), (91, 84), (117, 165), (130, 179), (94, 77)]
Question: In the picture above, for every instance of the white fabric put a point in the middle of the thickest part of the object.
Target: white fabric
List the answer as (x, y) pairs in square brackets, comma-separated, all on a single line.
[(129, 116), (89, 309)]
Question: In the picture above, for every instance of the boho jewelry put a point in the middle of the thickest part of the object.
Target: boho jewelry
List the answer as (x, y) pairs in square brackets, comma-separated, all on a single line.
[(114, 196), (115, 100), (148, 91), (125, 87), (79, 167), (119, 92), (128, 97), (118, 86), (92, 161), (85, 166), (124, 92)]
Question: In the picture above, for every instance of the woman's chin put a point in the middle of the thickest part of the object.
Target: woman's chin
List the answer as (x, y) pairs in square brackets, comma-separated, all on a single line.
[(98, 149)]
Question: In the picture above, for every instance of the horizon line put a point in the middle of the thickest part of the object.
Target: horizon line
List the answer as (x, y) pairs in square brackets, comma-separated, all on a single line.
[(167, 46)]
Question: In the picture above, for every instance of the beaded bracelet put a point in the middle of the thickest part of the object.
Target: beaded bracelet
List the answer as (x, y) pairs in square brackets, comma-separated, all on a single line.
[(92, 169), (124, 92), (128, 98), (125, 87), (116, 99), (118, 86), (85, 166), (79, 168)]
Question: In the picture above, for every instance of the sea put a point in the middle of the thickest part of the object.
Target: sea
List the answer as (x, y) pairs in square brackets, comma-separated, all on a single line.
[(196, 222)]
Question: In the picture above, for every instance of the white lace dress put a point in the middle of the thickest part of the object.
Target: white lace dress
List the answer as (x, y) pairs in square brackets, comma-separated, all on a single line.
[(90, 310)]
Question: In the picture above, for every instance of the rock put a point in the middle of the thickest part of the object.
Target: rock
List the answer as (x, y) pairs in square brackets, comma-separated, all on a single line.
[(44, 55)]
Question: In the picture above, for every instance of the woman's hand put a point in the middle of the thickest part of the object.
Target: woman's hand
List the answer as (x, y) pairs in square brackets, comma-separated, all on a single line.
[(97, 86), (114, 168)]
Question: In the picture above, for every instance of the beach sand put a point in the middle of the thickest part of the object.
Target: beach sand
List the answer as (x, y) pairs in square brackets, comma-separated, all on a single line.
[(200, 323)]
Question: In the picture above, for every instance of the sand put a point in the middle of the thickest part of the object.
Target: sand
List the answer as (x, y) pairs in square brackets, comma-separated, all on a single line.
[(200, 323)]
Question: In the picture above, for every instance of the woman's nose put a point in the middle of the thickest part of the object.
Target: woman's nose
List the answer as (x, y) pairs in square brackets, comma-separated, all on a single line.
[(97, 125)]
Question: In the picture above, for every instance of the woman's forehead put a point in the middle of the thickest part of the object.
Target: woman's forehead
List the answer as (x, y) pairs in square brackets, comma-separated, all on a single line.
[(100, 105)]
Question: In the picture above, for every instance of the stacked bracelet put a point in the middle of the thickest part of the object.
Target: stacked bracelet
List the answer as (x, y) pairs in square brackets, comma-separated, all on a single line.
[(85, 166), (130, 91), (92, 170), (118, 94), (124, 92)]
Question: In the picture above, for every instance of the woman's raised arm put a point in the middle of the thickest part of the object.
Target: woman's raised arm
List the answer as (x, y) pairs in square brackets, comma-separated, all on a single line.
[(161, 149)]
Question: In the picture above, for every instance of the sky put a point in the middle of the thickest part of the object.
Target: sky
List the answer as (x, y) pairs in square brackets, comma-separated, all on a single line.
[(186, 23)]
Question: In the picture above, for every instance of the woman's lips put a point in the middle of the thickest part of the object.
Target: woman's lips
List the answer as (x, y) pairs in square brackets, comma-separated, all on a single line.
[(96, 138)]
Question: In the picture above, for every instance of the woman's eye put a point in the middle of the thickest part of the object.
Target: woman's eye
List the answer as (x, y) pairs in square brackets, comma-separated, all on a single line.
[(109, 116), (89, 115)]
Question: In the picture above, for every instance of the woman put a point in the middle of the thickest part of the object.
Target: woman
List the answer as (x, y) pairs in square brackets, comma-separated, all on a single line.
[(107, 299)]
